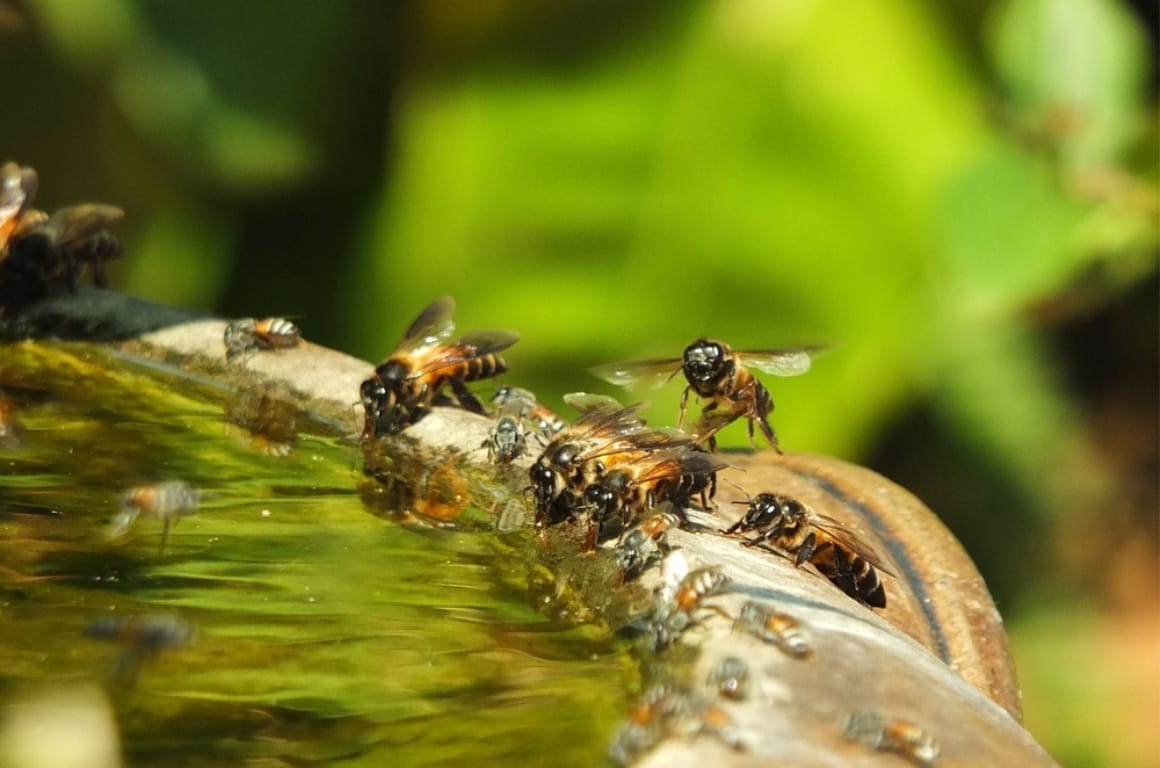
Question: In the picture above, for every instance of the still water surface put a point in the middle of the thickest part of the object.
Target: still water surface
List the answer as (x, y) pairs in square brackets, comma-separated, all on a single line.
[(325, 634)]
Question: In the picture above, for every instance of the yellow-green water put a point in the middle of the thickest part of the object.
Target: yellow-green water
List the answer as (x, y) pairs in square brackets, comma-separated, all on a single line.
[(326, 635)]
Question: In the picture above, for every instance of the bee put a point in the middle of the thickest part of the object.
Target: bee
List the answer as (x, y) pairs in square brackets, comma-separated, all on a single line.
[(411, 380), (899, 736), (774, 627), (245, 336), (524, 404), (604, 436), (635, 486), (786, 525), (715, 372), (645, 542), (168, 501), (656, 714), (678, 602), (506, 441), (38, 252), (730, 678)]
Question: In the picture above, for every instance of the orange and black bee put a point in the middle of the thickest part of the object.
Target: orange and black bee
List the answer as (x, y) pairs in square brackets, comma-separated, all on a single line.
[(786, 525), (168, 501), (39, 252), (605, 436), (247, 335), (903, 737), (646, 542), (775, 627), (412, 379), (635, 486), (715, 372)]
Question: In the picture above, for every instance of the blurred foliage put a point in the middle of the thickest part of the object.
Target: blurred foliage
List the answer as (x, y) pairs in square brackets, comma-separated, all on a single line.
[(948, 193)]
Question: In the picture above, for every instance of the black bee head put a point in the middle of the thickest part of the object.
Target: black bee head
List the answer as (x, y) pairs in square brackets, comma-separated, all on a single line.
[(392, 372), (704, 361)]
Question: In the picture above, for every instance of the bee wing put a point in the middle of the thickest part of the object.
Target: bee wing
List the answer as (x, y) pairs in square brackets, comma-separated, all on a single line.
[(17, 188), (79, 221), (653, 373), (434, 324), (792, 361), (850, 541), (680, 464), (468, 348)]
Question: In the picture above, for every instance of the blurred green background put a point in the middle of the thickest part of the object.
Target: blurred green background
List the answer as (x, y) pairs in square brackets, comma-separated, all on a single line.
[(961, 197)]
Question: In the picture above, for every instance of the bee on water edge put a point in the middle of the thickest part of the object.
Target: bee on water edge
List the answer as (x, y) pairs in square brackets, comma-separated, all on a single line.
[(411, 380), (772, 626), (718, 374), (785, 525), (902, 737), (246, 336)]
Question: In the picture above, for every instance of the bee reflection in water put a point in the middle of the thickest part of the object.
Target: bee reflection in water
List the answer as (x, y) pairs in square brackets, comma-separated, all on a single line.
[(142, 638), (167, 501)]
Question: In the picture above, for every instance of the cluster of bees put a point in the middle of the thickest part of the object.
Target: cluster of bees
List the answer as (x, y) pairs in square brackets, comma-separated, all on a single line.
[(41, 252), (608, 470)]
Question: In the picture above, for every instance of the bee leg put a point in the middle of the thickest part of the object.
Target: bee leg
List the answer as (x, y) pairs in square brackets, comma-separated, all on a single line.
[(684, 406), (843, 576), (467, 400), (807, 550), (164, 536)]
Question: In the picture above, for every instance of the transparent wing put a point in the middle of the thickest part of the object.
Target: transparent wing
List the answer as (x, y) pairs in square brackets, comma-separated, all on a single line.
[(850, 541), (468, 348), (80, 221), (434, 324), (652, 373), (792, 361)]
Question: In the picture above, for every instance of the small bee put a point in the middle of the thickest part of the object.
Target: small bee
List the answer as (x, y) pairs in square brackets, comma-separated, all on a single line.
[(636, 486), (678, 602), (506, 441), (656, 714), (167, 501), (245, 336), (774, 627), (788, 526), (522, 403), (645, 542), (604, 436), (718, 374), (899, 736), (730, 678), (411, 380)]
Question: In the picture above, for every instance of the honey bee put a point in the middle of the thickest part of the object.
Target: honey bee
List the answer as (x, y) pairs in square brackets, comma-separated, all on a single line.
[(411, 380), (774, 627), (523, 404), (636, 486), (650, 719), (245, 336), (730, 678), (899, 736), (604, 436), (506, 441), (168, 501), (645, 542), (678, 602), (715, 372), (38, 252), (788, 526)]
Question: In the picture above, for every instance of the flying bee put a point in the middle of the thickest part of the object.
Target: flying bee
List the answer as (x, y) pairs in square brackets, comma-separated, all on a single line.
[(899, 736), (774, 627), (168, 501), (411, 380), (247, 335), (645, 542), (604, 436), (786, 525), (524, 404), (715, 372), (635, 486)]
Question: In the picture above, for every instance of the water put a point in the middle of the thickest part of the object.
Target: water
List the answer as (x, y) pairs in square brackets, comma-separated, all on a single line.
[(326, 634)]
